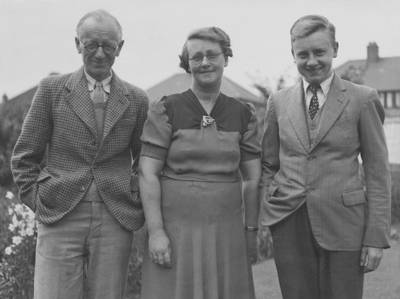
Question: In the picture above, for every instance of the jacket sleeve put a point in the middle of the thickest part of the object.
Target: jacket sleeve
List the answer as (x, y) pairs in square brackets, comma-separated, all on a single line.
[(250, 148), (374, 155), (31, 145), (135, 144), (270, 145)]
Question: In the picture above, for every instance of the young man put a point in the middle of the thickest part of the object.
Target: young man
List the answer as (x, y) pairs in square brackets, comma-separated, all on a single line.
[(86, 199), (327, 228)]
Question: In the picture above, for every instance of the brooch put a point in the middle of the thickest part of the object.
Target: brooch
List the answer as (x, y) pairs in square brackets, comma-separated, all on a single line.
[(207, 120)]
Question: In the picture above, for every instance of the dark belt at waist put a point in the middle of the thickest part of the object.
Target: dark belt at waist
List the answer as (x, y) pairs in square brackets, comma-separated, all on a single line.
[(169, 173)]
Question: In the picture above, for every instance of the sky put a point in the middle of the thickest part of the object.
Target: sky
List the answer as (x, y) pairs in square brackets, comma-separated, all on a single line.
[(37, 36)]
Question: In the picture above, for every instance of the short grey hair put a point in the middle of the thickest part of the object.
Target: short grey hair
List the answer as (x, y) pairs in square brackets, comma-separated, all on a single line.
[(99, 15)]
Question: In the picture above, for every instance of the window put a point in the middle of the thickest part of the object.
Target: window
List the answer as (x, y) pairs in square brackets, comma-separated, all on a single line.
[(397, 98)]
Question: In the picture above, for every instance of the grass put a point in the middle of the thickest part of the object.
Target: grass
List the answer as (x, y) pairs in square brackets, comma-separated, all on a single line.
[(384, 283)]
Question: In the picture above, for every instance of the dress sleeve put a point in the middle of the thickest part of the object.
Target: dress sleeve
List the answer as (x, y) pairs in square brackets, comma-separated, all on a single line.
[(157, 132), (250, 147)]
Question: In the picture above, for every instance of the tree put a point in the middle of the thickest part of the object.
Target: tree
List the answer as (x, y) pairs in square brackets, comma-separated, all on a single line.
[(12, 114), (354, 74)]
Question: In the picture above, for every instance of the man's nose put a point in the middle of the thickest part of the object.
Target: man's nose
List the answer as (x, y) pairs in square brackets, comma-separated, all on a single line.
[(100, 51), (312, 60)]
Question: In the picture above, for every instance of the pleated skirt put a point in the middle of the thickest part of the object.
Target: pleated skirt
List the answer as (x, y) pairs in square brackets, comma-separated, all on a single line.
[(203, 221)]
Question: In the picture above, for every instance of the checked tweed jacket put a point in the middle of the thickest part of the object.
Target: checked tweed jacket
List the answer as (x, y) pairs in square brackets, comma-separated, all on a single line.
[(61, 120)]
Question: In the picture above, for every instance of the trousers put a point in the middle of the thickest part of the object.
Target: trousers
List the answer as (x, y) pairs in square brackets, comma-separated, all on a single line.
[(85, 255), (308, 271)]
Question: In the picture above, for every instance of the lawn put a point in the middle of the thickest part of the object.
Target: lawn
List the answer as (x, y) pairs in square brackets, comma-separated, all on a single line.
[(384, 283)]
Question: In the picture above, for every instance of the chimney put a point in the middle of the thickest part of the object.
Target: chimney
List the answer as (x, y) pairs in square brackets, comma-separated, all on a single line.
[(372, 52)]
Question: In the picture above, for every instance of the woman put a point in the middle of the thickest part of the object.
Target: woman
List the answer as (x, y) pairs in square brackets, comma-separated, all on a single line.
[(194, 143)]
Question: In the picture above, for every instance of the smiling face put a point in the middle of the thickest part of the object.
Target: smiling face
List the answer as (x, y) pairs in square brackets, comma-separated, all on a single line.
[(98, 63), (313, 56), (206, 74)]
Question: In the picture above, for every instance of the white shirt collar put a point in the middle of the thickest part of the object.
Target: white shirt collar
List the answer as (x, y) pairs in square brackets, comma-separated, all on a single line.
[(92, 82), (325, 85)]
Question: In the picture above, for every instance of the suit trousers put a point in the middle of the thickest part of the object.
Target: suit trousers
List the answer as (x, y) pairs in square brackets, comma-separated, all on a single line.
[(84, 255), (306, 270)]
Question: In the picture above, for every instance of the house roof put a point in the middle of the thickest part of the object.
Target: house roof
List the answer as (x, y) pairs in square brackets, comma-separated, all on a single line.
[(383, 75), (174, 84), (180, 82), (26, 97)]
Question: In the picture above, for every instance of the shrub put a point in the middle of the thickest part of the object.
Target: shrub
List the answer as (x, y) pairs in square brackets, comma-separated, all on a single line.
[(395, 170), (265, 246), (135, 266), (18, 260)]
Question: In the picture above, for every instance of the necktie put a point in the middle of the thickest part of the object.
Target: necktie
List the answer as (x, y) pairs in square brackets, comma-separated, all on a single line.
[(99, 96), (314, 105)]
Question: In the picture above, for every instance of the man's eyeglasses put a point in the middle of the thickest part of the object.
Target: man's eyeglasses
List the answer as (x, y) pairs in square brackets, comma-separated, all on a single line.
[(211, 56), (92, 47)]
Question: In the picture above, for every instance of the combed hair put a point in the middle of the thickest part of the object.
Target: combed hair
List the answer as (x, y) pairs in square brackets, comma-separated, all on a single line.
[(99, 15), (309, 24), (213, 34)]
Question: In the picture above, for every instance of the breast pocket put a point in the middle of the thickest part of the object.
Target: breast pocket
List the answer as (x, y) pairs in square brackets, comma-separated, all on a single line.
[(343, 136), (126, 124), (121, 133)]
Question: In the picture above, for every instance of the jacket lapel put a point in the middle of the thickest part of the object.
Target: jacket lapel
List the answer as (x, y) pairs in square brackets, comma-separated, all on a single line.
[(79, 99), (297, 115), (334, 106), (117, 104)]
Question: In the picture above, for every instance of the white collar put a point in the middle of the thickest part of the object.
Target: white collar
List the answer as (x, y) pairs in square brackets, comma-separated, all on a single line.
[(92, 82), (325, 85)]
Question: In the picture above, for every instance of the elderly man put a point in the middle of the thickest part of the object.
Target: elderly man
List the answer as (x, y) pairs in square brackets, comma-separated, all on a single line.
[(328, 230), (86, 198)]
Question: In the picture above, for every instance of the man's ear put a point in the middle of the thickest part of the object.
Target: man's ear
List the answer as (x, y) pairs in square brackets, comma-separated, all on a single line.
[(291, 50), (119, 48), (78, 45), (335, 49)]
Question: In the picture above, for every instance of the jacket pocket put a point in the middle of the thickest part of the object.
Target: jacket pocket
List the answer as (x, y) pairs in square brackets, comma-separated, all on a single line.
[(43, 176), (272, 189), (352, 198)]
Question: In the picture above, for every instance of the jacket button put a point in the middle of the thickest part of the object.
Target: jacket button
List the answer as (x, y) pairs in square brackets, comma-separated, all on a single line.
[(308, 189), (82, 188), (309, 158)]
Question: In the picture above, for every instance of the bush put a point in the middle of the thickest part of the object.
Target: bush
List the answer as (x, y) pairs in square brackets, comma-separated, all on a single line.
[(265, 246), (135, 266), (17, 262), (395, 171)]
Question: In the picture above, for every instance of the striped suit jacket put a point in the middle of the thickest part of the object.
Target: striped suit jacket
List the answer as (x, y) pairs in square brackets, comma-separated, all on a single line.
[(325, 174), (61, 120)]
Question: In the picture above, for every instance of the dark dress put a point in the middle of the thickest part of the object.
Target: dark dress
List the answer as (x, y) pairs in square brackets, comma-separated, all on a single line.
[(201, 199)]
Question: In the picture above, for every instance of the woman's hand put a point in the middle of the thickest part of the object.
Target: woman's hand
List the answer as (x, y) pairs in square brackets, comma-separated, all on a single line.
[(160, 248), (251, 242), (251, 172)]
